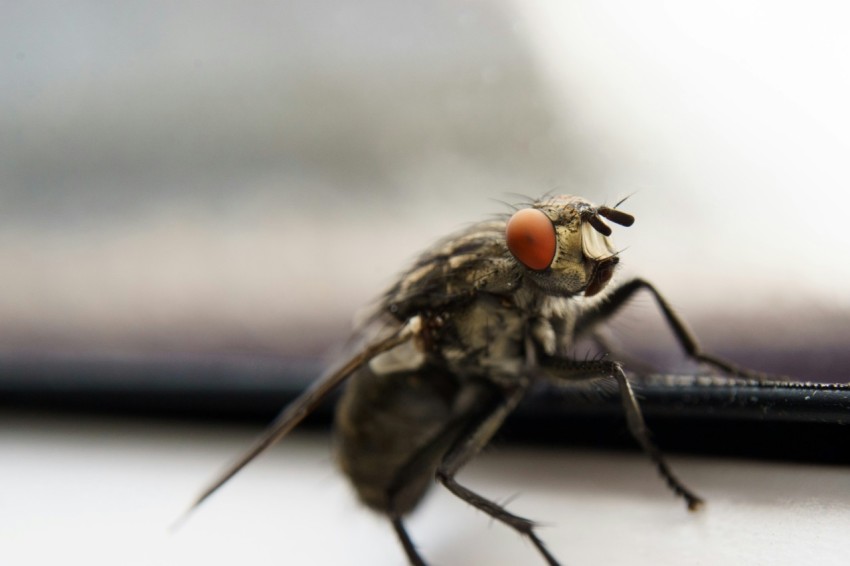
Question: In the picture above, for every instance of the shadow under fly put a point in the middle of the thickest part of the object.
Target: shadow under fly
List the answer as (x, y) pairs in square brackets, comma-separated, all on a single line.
[(457, 342)]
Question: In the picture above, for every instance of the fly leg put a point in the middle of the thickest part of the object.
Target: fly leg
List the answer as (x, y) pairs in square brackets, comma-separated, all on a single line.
[(409, 548), (464, 449), (446, 452), (421, 463), (686, 339), (561, 369)]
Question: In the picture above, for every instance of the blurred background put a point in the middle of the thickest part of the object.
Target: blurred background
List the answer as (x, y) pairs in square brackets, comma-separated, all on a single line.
[(208, 178), (221, 187)]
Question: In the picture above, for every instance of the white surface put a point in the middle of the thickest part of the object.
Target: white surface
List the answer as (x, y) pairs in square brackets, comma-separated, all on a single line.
[(104, 492)]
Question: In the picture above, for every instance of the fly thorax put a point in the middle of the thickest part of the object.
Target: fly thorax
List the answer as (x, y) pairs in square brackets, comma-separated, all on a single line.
[(486, 337)]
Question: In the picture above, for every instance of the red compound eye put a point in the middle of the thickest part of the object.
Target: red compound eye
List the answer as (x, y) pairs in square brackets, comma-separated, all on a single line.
[(531, 238)]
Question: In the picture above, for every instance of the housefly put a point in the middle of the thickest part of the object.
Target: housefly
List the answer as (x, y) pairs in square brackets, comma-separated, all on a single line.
[(457, 342)]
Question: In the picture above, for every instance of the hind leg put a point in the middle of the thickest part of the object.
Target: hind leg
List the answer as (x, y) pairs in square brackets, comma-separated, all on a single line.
[(457, 443), (409, 549), (411, 480), (464, 449), (401, 497)]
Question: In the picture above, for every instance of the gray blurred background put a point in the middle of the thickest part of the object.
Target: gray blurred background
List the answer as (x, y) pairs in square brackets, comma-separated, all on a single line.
[(238, 179)]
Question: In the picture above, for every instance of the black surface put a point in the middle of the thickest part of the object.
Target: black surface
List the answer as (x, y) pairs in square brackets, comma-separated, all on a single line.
[(705, 414)]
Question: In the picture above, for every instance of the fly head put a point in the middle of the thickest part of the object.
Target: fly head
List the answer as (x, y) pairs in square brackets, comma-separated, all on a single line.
[(563, 245)]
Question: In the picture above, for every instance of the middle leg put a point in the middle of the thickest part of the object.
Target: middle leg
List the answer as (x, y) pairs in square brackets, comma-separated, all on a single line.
[(562, 369)]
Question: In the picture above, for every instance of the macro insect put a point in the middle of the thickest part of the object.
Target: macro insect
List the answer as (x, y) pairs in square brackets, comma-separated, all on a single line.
[(457, 342)]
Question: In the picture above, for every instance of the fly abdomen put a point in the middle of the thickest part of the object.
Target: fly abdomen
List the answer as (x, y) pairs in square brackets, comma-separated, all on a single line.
[(384, 424)]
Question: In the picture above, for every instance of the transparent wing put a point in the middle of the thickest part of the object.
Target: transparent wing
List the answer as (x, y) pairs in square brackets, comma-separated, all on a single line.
[(296, 411)]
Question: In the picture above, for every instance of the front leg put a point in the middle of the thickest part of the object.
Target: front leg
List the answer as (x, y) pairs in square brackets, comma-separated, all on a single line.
[(560, 370), (686, 339)]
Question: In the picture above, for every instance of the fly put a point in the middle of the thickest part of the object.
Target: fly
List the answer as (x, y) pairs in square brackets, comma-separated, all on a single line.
[(458, 341)]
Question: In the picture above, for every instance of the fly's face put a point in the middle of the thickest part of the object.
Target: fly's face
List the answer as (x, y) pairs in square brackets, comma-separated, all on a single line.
[(564, 246)]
